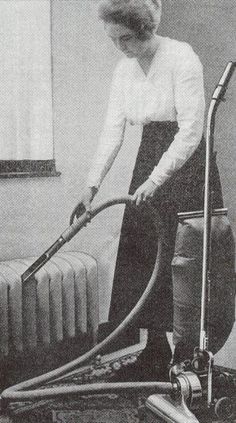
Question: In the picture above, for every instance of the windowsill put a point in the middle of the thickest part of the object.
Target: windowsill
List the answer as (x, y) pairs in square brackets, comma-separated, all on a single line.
[(28, 168)]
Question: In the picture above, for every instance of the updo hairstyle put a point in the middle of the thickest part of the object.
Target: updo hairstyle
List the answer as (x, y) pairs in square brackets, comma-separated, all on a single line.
[(141, 16)]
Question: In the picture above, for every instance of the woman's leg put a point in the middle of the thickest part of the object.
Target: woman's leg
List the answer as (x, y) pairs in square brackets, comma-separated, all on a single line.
[(155, 359), (156, 316)]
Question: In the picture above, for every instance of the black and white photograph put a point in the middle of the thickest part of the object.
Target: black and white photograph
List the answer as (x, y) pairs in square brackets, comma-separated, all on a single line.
[(118, 211)]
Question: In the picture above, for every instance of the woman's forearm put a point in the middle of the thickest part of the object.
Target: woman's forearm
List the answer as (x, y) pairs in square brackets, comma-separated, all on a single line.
[(108, 148)]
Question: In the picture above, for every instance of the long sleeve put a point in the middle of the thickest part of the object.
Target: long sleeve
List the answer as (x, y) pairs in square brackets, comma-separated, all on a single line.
[(112, 135), (190, 106)]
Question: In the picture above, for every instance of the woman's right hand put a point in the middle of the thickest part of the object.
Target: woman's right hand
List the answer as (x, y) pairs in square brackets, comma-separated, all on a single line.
[(86, 200)]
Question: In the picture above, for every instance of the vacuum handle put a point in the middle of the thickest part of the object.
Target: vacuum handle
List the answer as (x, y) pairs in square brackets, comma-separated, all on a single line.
[(70, 232), (222, 86), (216, 98)]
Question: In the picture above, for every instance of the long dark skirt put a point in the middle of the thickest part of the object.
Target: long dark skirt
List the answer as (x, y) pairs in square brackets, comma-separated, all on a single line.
[(138, 240)]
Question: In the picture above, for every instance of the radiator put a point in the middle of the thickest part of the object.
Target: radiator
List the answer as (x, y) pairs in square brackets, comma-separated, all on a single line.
[(59, 302)]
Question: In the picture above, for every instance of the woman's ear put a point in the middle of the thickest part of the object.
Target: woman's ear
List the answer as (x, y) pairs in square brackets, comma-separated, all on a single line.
[(158, 5)]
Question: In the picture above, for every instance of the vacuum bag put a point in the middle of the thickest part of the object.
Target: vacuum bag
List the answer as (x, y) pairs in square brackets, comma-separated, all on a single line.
[(187, 281)]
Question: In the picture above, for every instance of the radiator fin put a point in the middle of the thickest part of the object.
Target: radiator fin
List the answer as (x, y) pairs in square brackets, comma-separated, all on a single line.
[(41, 309), (92, 292), (80, 278), (4, 328), (29, 298), (68, 296), (55, 301), (13, 282)]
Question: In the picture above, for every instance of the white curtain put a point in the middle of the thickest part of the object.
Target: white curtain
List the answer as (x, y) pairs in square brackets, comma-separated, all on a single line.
[(25, 80)]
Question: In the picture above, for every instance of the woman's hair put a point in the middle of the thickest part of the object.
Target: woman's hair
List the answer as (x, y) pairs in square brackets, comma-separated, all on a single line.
[(142, 16)]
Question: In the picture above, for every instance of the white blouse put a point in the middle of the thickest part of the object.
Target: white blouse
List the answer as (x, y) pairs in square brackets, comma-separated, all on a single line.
[(171, 91)]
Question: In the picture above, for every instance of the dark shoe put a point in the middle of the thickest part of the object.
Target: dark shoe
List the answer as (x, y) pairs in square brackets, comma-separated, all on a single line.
[(184, 351), (155, 358)]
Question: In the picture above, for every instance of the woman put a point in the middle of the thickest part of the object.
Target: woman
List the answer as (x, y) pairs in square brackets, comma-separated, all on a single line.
[(159, 84)]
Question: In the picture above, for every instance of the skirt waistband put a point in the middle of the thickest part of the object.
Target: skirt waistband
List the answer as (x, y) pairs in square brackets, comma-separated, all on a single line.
[(163, 133), (159, 131), (161, 124)]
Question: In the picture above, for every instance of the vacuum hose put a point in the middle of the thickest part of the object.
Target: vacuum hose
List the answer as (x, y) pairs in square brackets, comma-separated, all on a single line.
[(24, 390)]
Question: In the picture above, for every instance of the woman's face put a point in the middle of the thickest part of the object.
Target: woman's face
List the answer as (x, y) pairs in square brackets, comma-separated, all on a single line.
[(126, 40)]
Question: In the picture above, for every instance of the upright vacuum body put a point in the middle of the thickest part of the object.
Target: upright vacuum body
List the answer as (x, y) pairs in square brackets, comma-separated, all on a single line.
[(203, 268)]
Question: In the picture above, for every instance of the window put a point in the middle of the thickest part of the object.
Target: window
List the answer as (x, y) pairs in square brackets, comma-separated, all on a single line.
[(26, 119)]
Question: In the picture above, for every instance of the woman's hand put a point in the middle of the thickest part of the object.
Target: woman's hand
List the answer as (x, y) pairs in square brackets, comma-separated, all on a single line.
[(145, 192), (86, 200)]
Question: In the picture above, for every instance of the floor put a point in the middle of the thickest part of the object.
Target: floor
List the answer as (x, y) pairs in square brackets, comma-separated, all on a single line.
[(101, 410)]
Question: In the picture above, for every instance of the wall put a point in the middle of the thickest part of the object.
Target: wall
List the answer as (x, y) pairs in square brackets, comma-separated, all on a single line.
[(36, 211)]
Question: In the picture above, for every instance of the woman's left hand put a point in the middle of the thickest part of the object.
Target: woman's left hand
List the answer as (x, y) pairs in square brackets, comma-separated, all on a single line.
[(144, 192)]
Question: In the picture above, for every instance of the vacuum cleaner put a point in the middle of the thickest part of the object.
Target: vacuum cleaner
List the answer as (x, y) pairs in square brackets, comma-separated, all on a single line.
[(197, 391)]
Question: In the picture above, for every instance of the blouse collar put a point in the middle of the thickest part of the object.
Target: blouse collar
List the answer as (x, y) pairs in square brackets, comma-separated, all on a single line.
[(153, 66)]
